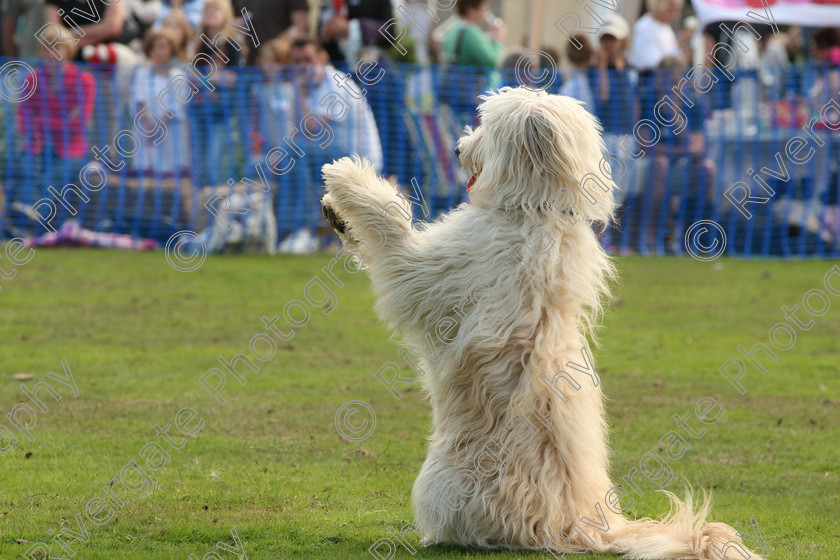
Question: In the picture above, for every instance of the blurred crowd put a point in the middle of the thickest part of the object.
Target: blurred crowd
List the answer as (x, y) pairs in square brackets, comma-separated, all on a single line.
[(153, 41), (626, 74), (345, 28)]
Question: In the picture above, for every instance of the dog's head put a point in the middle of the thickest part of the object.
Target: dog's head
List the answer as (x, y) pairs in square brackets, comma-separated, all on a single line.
[(539, 153)]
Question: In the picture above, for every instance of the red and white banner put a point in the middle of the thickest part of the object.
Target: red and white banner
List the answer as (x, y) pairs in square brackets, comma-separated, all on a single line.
[(817, 13)]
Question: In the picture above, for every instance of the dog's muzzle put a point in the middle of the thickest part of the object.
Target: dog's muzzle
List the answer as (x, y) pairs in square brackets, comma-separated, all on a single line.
[(457, 152)]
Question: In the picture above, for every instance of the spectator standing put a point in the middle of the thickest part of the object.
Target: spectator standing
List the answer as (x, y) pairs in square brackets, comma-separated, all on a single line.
[(721, 96), (681, 168), (273, 101), (825, 47), (468, 45), (211, 112), (23, 45), (176, 22), (53, 123), (273, 97), (652, 41), (616, 104), (538, 70), (109, 28), (613, 43), (171, 154), (354, 131), (774, 64), (348, 25), (653, 36), (417, 21), (274, 17), (795, 45), (578, 84)]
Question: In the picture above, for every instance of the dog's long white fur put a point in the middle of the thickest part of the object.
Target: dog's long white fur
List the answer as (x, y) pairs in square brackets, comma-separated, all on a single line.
[(525, 154)]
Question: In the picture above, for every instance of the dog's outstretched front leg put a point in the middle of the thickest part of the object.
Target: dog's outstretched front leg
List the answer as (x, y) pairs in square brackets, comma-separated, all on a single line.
[(365, 210), (368, 215)]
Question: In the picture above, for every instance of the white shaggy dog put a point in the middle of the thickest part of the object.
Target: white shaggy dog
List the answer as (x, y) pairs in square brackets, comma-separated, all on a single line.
[(511, 282)]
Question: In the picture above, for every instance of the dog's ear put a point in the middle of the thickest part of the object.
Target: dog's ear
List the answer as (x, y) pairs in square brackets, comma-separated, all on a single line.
[(564, 143)]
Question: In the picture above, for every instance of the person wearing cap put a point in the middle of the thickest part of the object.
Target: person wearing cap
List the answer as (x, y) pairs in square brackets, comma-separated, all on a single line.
[(616, 102), (613, 39)]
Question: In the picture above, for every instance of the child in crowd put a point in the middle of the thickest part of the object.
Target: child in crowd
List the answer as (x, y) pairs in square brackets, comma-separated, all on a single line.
[(578, 85), (53, 123), (212, 112), (169, 153), (176, 22)]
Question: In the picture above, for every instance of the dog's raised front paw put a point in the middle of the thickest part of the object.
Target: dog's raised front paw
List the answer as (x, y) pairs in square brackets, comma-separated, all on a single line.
[(355, 182), (337, 223), (360, 198)]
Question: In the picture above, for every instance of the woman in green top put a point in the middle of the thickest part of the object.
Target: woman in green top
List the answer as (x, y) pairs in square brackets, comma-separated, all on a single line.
[(477, 48), (467, 44)]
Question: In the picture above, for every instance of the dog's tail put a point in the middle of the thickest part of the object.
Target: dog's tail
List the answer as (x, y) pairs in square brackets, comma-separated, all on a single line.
[(683, 533)]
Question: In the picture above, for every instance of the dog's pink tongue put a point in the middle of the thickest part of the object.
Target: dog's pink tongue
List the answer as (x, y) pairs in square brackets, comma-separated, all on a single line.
[(470, 182)]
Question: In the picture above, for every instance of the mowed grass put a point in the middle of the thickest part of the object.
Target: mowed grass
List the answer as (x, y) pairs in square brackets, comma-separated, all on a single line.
[(137, 336)]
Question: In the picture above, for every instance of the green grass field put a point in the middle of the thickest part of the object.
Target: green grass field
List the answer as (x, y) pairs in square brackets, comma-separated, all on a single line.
[(137, 336)]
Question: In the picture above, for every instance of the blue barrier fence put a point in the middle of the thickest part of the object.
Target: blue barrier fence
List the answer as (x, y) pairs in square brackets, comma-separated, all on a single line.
[(754, 154)]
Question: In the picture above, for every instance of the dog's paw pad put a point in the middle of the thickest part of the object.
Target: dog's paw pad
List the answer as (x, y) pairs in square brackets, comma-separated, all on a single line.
[(337, 223)]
